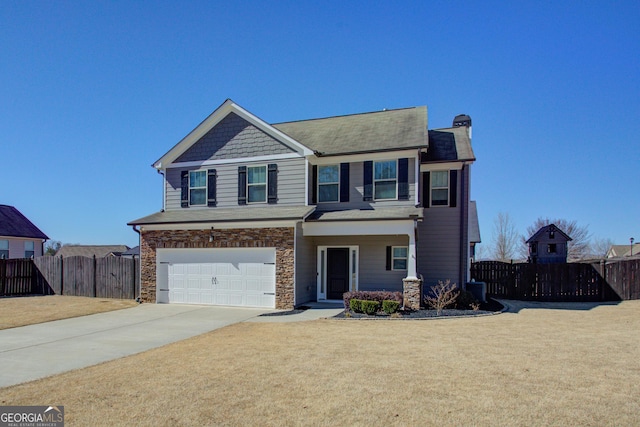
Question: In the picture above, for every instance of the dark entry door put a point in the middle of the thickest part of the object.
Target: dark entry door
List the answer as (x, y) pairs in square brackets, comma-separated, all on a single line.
[(337, 272)]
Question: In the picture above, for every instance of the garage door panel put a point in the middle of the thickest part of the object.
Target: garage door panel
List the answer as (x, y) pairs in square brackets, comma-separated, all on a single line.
[(235, 277)]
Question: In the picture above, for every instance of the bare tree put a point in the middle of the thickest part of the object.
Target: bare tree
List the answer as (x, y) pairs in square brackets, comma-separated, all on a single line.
[(600, 247), (578, 246), (505, 238)]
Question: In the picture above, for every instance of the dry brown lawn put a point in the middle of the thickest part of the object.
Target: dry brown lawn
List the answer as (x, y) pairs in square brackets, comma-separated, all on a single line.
[(536, 367), (22, 311)]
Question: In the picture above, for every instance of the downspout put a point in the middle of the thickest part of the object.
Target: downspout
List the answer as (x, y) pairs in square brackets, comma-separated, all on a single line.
[(140, 267), (463, 243), (164, 190)]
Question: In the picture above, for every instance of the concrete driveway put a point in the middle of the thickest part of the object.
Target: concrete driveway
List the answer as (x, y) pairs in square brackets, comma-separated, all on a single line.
[(36, 351)]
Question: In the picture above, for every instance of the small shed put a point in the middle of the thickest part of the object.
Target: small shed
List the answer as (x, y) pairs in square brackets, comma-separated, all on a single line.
[(549, 245)]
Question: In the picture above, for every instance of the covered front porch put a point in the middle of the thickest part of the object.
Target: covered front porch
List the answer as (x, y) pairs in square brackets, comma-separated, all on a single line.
[(361, 255)]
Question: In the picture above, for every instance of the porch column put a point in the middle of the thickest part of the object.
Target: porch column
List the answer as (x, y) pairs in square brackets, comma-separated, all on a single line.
[(412, 272)]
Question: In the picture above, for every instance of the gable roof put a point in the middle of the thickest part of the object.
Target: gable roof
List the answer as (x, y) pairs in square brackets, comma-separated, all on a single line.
[(361, 133), (220, 113), (14, 224), (99, 251), (546, 229)]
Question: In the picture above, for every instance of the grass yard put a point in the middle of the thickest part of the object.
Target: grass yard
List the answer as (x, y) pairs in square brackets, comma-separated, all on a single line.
[(22, 311), (534, 367)]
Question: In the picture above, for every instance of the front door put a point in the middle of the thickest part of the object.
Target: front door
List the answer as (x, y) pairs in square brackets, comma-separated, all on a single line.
[(337, 272)]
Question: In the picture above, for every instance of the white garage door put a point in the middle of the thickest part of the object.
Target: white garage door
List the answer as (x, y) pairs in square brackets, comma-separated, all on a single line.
[(242, 277)]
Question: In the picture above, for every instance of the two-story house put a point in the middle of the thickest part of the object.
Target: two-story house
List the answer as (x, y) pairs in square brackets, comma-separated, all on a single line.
[(276, 215)]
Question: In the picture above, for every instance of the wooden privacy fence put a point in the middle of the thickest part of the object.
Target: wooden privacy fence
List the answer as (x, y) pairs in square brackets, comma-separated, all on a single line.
[(560, 282), (16, 276), (110, 277)]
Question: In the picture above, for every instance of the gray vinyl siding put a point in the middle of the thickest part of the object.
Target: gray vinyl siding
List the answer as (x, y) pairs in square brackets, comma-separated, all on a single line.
[(291, 183), (372, 272), (306, 283), (356, 184), (441, 255)]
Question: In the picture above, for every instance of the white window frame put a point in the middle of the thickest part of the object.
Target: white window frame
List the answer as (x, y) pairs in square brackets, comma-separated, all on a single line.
[(375, 181), (4, 249), (32, 250), (266, 182), (329, 183), (394, 257), (446, 204), (199, 188)]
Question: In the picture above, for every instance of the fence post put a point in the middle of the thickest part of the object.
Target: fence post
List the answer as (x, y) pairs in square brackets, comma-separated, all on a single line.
[(61, 275), (95, 280)]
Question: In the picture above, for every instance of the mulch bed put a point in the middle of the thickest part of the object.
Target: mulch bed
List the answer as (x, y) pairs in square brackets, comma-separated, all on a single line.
[(489, 307)]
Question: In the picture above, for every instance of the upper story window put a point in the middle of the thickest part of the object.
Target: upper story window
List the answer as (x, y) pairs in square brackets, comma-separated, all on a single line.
[(385, 180), (552, 248), (4, 249), (328, 183), (256, 184), (198, 187), (29, 250), (440, 188)]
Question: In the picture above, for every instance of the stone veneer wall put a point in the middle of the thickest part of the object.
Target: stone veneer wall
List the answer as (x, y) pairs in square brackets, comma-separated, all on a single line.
[(282, 239)]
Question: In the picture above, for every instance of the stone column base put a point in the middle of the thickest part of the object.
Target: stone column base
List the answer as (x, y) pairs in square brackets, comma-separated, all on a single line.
[(412, 293)]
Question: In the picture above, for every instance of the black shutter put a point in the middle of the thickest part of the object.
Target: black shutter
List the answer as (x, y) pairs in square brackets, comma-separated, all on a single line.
[(314, 185), (272, 183), (344, 182), (367, 179), (426, 189), (184, 189), (453, 188), (212, 178), (242, 185), (388, 258), (403, 179)]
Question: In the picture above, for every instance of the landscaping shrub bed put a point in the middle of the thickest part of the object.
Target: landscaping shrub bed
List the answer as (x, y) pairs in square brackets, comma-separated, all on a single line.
[(485, 308)]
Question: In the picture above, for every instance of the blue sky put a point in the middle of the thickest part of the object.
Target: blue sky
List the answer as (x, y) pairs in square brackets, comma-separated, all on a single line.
[(92, 93)]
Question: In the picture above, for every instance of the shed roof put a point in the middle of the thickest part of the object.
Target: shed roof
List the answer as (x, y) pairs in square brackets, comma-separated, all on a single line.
[(14, 224), (474, 225), (247, 213), (546, 229)]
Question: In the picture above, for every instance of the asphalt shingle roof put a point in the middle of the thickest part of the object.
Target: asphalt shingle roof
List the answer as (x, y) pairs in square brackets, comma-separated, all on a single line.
[(449, 144), (99, 251), (247, 213), (401, 212), (361, 133), (14, 224)]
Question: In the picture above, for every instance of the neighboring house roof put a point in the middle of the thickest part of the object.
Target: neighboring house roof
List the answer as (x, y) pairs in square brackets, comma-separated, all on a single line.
[(252, 213), (132, 252), (14, 224), (623, 250), (361, 133), (546, 229), (401, 212), (99, 251), (449, 144), (474, 225)]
